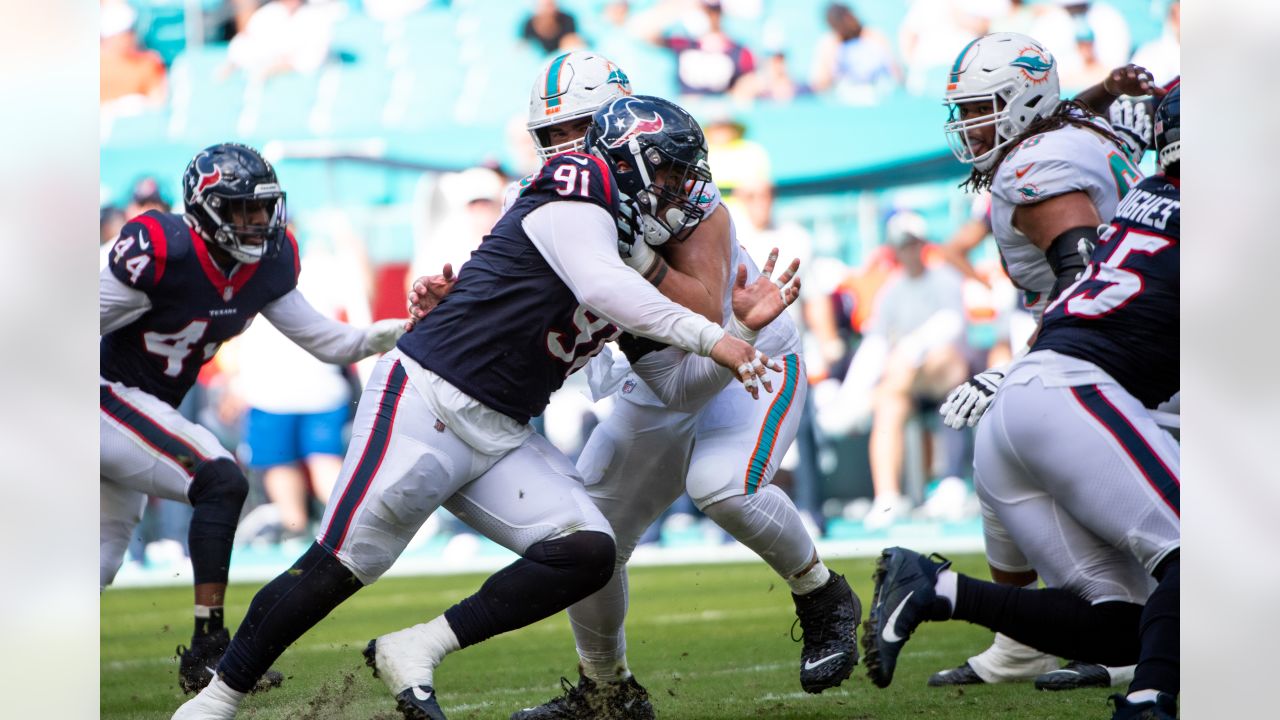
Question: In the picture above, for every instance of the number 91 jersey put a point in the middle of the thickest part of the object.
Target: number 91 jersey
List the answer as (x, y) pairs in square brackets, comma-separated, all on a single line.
[(1122, 314), (510, 331), (195, 307)]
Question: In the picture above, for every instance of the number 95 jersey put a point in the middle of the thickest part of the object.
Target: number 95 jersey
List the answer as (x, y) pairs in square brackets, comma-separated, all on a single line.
[(1122, 314), (195, 307)]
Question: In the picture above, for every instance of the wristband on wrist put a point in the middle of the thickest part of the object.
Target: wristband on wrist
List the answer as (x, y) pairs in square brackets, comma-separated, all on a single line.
[(741, 331)]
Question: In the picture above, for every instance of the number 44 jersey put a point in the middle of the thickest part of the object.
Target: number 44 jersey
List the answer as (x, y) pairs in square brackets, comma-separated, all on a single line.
[(195, 307), (1122, 314)]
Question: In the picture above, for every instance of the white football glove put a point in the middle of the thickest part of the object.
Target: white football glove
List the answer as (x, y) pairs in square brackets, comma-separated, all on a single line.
[(1131, 119), (969, 401), (638, 256), (382, 335)]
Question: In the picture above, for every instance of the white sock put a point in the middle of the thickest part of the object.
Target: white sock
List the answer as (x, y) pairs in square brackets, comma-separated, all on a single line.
[(219, 690), (1140, 696), (945, 587), (812, 579), (440, 638)]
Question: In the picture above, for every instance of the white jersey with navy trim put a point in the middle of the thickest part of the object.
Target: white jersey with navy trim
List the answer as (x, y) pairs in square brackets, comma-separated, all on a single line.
[(1060, 161)]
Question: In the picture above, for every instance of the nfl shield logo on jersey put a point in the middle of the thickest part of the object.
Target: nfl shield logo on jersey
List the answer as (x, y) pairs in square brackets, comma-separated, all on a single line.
[(628, 386)]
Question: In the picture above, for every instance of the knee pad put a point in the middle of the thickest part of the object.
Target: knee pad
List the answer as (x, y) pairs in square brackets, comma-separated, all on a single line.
[(585, 556), (219, 484)]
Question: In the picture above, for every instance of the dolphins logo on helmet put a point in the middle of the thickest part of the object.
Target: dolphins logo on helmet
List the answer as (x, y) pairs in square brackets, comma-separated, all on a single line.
[(623, 119), (1034, 63)]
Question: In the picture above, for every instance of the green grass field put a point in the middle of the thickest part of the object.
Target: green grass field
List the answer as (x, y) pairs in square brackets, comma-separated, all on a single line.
[(709, 642)]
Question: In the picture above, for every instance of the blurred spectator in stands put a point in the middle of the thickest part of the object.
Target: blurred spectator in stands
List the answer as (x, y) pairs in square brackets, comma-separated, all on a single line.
[(775, 83), (110, 220), (1107, 27), (296, 406), (933, 32), (911, 354), (1162, 55), (132, 79), (452, 216), (852, 61), (957, 249), (1088, 70), (146, 196), (285, 36), (708, 62), (1048, 23), (734, 160), (551, 28)]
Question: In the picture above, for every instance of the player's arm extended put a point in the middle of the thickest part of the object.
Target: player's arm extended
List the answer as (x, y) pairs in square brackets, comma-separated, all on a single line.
[(579, 242), (118, 304), (327, 339), (699, 267)]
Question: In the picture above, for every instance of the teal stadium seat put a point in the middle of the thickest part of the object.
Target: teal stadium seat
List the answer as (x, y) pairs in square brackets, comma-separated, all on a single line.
[(205, 107)]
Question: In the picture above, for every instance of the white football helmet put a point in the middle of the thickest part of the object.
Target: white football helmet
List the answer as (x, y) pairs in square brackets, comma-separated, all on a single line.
[(1014, 73), (573, 85)]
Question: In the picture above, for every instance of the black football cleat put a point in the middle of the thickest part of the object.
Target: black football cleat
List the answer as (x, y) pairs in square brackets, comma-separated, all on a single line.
[(589, 700), (904, 597), (198, 663), (1073, 676), (963, 675), (1164, 707), (828, 619)]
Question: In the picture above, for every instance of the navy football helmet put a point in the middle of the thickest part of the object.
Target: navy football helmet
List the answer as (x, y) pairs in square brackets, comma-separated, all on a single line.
[(658, 157), (233, 200), (1168, 130)]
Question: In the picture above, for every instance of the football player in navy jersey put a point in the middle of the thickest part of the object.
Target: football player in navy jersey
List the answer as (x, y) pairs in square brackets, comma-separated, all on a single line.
[(444, 420), (175, 288), (677, 427), (1076, 471)]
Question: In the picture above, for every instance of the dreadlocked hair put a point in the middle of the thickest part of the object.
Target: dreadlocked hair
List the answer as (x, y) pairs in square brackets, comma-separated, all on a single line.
[(1068, 112)]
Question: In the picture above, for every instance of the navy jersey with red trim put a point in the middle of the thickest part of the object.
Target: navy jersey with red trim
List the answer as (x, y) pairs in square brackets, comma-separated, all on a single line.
[(510, 331), (1123, 314), (195, 307)]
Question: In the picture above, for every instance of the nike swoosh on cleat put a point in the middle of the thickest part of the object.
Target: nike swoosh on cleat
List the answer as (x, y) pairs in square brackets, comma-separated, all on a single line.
[(423, 696), (811, 664), (887, 633), (212, 671)]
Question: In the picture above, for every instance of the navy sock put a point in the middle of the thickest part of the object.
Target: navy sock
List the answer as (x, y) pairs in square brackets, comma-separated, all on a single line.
[(552, 575), (1053, 620), (211, 624), (1159, 664), (282, 611)]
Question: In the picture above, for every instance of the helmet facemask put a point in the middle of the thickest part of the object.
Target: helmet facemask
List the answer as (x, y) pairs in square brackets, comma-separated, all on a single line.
[(666, 185), (542, 138), (235, 230), (960, 130)]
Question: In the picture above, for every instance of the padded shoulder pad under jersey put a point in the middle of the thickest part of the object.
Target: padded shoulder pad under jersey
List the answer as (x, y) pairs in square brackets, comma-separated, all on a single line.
[(574, 176), (139, 255)]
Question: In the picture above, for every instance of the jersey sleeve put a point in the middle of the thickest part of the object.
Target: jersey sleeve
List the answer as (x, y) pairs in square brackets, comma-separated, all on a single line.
[(575, 176), (138, 256), (1042, 167)]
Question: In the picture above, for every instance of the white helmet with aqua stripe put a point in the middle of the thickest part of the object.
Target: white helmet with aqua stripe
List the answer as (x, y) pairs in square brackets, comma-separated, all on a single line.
[(1012, 73), (571, 86)]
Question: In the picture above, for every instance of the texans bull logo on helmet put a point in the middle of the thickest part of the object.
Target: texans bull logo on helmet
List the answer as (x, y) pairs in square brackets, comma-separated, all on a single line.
[(209, 174), (624, 122)]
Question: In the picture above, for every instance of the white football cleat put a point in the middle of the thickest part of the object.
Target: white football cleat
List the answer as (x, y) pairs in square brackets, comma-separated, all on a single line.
[(216, 701)]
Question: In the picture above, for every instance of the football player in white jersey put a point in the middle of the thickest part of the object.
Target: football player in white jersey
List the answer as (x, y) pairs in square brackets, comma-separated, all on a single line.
[(1055, 169), (669, 433)]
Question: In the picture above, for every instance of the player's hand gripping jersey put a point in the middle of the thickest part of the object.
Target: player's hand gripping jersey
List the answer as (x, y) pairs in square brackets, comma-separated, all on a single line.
[(529, 300), (1122, 315), (1043, 166), (158, 343)]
